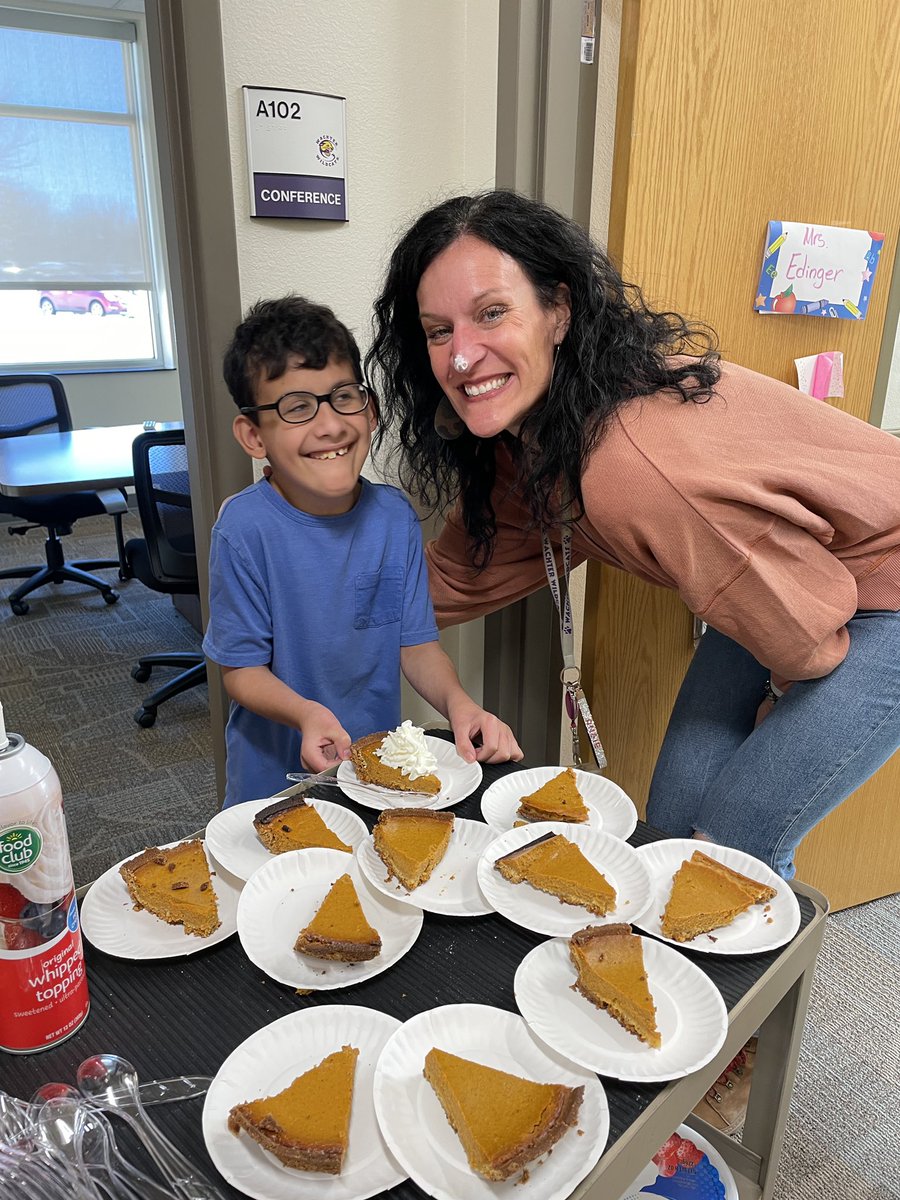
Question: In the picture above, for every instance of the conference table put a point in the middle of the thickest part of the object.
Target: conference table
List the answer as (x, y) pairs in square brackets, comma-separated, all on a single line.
[(77, 460)]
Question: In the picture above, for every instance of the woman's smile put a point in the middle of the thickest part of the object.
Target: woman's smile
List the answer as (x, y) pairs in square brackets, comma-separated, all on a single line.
[(490, 385)]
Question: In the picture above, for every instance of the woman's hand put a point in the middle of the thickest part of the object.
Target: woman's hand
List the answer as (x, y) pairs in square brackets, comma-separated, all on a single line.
[(482, 737), (324, 741)]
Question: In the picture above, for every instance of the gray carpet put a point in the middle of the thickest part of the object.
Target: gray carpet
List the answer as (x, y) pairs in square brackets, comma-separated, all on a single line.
[(65, 684), (843, 1136)]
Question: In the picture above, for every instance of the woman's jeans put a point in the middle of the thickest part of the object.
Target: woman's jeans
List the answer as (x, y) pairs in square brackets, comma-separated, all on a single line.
[(761, 790)]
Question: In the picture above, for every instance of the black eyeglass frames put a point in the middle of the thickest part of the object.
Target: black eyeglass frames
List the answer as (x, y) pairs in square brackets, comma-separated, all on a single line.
[(299, 407)]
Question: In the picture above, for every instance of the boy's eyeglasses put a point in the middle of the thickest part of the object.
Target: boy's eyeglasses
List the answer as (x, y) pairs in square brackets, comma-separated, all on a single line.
[(299, 407)]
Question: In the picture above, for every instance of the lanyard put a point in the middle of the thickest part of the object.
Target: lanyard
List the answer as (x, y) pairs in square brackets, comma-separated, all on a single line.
[(573, 695)]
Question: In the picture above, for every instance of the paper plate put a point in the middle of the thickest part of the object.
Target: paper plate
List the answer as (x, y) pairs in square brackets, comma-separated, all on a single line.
[(537, 910), (406, 1104), (696, 1171), (690, 1015), (453, 887), (265, 1064), (458, 780), (234, 844), (109, 921), (282, 897), (610, 809), (753, 931)]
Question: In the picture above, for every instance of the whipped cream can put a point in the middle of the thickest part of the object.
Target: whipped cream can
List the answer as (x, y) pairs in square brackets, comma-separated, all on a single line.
[(43, 987)]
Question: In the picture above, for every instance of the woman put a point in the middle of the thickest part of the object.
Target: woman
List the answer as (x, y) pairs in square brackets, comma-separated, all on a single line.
[(533, 387)]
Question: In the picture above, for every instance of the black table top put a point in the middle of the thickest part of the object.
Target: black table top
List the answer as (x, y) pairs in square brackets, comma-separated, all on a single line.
[(185, 1016)]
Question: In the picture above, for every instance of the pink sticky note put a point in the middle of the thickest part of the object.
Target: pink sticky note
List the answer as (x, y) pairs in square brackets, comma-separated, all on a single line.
[(821, 378)]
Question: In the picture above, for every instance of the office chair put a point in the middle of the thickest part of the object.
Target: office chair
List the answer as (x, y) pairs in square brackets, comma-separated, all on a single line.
[(164, 558), (37, 404)]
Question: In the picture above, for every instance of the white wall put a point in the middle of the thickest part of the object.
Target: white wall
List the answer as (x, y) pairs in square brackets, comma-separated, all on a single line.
[(891, 417), (123, 397), (420, 79)]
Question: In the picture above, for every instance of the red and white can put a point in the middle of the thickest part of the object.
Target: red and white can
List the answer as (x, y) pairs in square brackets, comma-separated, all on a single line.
[(43, 987)]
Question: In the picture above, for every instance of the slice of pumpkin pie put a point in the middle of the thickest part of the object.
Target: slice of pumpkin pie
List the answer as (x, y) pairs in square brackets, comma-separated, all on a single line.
[(503, 1122), (556, 800), (411, 842), (609, 960), (174, 885), (553, 864), (307, 1125), (399, 760), (292, 824), (707, 895), (339, 930)]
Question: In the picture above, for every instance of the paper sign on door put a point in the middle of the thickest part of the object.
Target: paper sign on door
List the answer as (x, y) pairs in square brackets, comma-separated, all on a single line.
[(817, 270)]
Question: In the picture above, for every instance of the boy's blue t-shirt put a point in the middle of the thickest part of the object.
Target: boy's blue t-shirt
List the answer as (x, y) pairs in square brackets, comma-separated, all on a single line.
[(326, 603)]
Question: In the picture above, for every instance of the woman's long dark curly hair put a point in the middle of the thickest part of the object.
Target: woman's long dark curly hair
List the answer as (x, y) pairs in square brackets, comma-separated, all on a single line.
[(616, 348)]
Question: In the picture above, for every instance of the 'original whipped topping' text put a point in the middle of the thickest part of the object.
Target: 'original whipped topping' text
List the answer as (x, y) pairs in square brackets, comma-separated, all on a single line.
[(406, 750)]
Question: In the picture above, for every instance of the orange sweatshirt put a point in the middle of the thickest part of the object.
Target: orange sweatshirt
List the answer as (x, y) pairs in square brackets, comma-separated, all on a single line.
[(774, 516)]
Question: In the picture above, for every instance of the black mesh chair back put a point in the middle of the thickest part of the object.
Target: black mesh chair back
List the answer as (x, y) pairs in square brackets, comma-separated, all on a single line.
[(36, 404), (163, 494), (164, 559), (32, 404)]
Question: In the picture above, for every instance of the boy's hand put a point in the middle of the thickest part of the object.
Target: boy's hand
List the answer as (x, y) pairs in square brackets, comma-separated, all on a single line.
[(471, 724), (324, 741)]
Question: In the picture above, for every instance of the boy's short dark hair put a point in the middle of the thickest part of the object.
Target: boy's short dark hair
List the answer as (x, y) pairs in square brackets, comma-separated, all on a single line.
[(272, 331)]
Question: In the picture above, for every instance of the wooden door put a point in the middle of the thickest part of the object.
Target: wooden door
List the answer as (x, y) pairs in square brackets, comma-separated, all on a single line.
[(731, 114)]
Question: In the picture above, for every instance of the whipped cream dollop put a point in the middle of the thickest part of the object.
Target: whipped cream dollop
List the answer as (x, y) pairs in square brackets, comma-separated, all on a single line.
[(405, 749)]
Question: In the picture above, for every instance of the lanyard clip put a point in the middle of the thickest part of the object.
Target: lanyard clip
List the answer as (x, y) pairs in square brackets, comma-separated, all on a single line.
[(571, 701)]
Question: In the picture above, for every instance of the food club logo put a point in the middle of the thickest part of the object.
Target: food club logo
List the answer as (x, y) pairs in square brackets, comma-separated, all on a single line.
[(326, 150), (20, 848)]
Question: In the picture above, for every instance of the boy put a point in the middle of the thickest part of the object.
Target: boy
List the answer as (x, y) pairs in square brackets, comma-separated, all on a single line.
[(318, 586)]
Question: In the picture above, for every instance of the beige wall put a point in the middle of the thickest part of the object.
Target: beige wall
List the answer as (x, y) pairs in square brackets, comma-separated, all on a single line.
[(420, 81)]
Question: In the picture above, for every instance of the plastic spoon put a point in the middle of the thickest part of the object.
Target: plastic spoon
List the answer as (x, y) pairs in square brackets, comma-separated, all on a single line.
[(95, 1144), (16, 1121), (68, 1124), (28, 1176), (155, 1091), (111, 1082), (54, 1130)]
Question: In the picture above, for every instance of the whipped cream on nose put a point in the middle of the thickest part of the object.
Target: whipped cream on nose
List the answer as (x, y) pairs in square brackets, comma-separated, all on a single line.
[(460, 363)]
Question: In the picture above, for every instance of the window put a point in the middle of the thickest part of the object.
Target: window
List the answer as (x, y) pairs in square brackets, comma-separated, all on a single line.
[(81, 264)]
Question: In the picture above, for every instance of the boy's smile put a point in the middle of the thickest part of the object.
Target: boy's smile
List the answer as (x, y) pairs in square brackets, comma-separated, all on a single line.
[(315, 465)]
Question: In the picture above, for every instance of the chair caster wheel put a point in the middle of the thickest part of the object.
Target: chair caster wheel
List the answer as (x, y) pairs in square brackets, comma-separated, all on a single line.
[(145, 717), (125, 575), (110, 596), (141, 674), (19, 607)]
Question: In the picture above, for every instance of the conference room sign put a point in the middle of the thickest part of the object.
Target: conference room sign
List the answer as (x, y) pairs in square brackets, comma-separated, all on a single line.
[(296, 153)]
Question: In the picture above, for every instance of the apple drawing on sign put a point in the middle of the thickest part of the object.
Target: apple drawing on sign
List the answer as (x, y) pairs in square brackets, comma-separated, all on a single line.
[(785, 302)]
